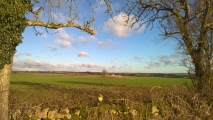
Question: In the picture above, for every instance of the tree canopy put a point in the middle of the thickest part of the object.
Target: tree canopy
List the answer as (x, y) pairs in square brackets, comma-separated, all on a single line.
[(12, 24), (104, 72), (16, 15)]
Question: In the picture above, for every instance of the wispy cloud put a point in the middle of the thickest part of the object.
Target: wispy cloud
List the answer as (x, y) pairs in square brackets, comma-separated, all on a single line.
[(83, 54), (51, 47), (90, 65), (186, 61), (120, 28), (23, 54), (86, 39), (109, 44), (152, 64), (175, 55), (162, 60), (37, 65), (119, 67), (31, 65), (137, 58), (166, 60)]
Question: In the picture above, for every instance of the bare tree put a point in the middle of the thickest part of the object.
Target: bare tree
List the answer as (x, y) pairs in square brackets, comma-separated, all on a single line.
[(189, 22), (104, 72), (16, 15)]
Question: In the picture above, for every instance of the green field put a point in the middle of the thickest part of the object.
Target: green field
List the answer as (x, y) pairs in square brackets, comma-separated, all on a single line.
[(31, 92), (26, 79)]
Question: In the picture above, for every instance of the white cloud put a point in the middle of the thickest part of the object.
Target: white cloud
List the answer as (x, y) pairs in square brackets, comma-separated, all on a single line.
[(153, 64), (92, 37), (166, 60), (186, 61), (119, 68), (37, 65), (31, 65), (66, 40), (119, 27), (63, 34), (63, 39), (23, 54), (175, 55), (90, 65), (86, 39), (162, 60), (102, 44), (62, 43), (82, 39), (83, 54), (109, 44)]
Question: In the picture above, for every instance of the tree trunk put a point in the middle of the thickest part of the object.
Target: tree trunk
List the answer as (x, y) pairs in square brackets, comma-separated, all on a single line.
[(5, 74), (203, 75), (200, 76)]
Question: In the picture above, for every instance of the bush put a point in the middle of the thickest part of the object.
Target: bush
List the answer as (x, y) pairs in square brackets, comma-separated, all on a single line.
[(104, 72)]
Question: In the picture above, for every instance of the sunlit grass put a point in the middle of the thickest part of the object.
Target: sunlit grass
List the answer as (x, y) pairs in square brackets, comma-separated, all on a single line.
[(26, 79), (56, 91)]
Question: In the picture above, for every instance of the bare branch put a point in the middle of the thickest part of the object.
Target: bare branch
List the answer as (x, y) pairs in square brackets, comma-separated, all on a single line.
[(56, 26), (37, 11)]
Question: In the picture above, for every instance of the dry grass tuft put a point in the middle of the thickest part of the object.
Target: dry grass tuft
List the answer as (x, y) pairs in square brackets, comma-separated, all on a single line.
[(120, 103)]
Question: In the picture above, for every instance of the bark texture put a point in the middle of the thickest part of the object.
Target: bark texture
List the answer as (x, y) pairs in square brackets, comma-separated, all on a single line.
[(5, 74)]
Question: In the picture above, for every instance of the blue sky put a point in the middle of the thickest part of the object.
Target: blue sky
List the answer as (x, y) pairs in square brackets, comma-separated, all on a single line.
[(115, 48)]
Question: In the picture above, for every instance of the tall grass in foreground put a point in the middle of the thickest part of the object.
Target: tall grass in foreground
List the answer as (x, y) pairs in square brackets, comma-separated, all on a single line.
[(173, 102), (128, 98)]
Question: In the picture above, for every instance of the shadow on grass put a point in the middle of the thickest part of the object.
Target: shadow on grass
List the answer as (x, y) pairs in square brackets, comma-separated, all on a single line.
[(88, 83), (44, 85), (31, 84), (24, 83)]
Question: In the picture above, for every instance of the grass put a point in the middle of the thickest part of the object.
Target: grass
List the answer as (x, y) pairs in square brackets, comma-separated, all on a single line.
[(56, 91), (66, 80)]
